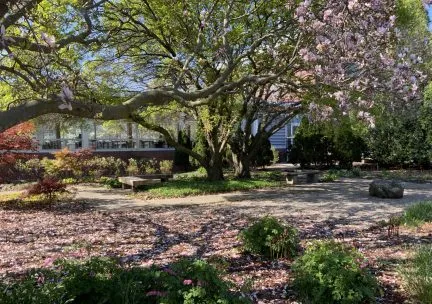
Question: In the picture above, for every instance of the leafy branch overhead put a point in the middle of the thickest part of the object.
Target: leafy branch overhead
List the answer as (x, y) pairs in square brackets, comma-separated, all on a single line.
[(111, 59)]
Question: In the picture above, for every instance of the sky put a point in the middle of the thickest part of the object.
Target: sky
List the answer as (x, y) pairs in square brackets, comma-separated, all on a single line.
[(429, 10)]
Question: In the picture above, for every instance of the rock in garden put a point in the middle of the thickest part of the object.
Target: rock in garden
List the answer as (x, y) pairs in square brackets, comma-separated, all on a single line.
[(386, 189)]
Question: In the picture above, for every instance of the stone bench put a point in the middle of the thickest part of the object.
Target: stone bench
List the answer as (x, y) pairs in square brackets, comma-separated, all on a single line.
[(149, 179), (311, 176)]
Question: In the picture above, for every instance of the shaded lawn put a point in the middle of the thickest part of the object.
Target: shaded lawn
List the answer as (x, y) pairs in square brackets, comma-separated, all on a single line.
[(200, 186)]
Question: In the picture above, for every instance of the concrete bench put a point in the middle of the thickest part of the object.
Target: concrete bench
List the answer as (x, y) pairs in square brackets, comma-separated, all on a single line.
[(162, 177), (311, 176), (150, 179)]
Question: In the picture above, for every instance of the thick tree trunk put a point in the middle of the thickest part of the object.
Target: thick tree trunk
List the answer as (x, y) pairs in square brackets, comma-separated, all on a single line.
[(214, 168), (241, 166), (214, 173)]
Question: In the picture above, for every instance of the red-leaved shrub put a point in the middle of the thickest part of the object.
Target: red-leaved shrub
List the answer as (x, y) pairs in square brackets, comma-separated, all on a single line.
[(48, 187)]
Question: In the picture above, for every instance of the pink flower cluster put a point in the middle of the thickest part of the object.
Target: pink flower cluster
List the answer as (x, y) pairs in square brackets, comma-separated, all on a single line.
[(354, 49)]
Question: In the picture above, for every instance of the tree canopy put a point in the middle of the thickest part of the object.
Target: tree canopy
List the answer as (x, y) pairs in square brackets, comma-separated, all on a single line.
[(110, 59)]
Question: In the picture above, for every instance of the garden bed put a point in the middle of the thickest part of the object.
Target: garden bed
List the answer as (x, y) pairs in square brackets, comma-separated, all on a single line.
[(33, 238)]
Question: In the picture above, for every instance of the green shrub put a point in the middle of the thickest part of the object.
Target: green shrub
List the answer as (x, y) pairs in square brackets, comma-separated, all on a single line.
[(201, 171), (264, 156), (325, 143), (132, 168), (81, 165), (166, 166), (401, 139), (331, 272), (418, 214), (49, 166), (329, 177), (110, 182), (103, 166), (275, 155), (417, 275), (198, 282), (269, 237), (356, 172), (69, 181), (31, 169), (149, 166), (100, 280)]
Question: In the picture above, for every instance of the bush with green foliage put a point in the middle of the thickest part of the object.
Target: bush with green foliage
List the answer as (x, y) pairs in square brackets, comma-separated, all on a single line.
[(69, 181), (101, 280), (110, 182), (275, 153), (417, 214), (70, 166), (417, 275), (271, 238), (132, 168), (329, 176), (324, 143), (30, 169), (200, 146), (264, 156), (166, 166), (149, 166), (332, 175), (400, 139), (106, 166), (331, 273)]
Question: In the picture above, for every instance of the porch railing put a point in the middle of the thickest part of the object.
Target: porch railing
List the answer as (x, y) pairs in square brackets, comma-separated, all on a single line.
[(102, 144)]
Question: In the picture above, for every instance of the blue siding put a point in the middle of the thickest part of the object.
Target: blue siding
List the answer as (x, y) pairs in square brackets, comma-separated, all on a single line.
[(278, 140)]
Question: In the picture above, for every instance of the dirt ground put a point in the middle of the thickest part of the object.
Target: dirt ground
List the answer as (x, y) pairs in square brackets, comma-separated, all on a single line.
[(346, 199), (112, 223)]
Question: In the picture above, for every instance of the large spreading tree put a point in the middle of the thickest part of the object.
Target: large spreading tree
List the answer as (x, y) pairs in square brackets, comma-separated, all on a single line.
[(112, 59)]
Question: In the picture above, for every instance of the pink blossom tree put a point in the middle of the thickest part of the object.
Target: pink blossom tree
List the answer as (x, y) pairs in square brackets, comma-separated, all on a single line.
[(110, 59)]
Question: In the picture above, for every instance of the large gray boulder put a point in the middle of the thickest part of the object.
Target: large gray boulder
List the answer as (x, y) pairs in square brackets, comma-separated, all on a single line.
[(386, 189)]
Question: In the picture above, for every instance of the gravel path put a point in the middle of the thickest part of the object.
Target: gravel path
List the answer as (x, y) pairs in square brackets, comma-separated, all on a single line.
[(346, 199)]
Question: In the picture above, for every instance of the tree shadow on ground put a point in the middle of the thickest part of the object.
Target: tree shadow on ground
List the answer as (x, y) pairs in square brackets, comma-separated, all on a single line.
[(163, 233)]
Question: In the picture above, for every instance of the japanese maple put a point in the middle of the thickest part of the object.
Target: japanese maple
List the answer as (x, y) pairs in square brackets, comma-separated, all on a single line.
[(14, 140)]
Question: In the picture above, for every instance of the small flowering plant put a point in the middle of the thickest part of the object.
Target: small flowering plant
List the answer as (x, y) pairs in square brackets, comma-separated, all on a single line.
[(196, 281), (332, 272)]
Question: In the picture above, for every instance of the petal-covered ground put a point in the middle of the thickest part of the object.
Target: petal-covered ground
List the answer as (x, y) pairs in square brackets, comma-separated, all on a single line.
[(30, 238), (102, 222)]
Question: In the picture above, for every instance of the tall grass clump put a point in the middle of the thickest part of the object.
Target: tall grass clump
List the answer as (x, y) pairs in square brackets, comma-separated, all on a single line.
[(418, 214), (417, 275)]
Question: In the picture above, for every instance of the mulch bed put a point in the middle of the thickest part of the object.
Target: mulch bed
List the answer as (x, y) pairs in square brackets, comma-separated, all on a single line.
[(28, 238)]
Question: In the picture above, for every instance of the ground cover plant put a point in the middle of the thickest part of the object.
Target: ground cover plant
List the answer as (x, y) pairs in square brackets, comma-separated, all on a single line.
[(192, 184), (271, 238), (104, 280), (331, 272)]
